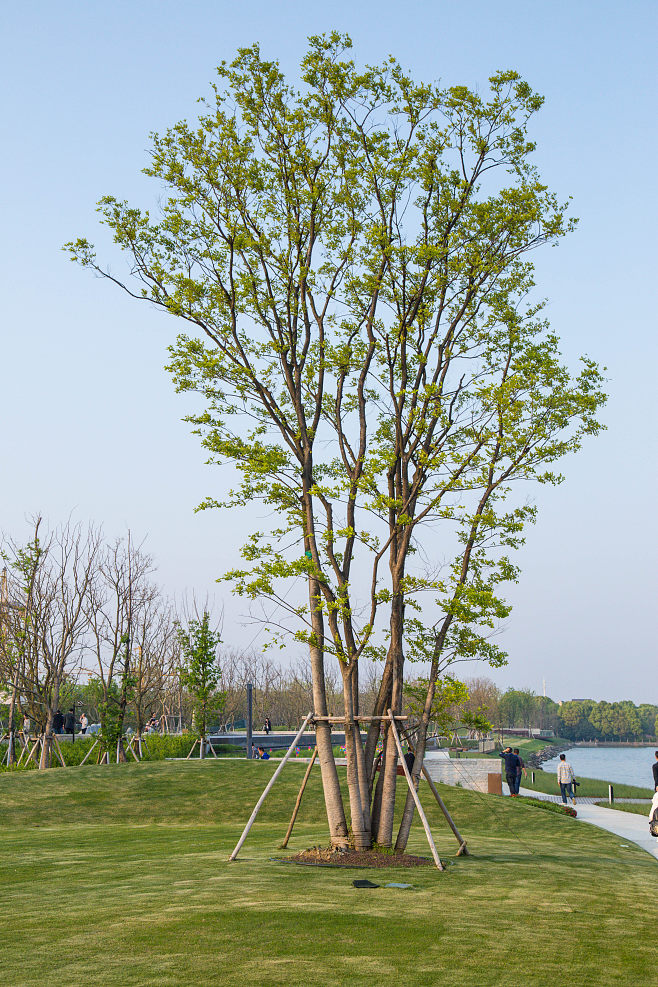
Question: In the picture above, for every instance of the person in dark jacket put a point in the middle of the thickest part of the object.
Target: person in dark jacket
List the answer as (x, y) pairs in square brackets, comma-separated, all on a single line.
[(69, 722), (58, 721), (512, 765), (654, 768), (521, 768)]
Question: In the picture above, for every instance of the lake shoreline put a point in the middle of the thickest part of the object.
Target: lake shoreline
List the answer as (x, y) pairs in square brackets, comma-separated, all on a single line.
[(649, 744)]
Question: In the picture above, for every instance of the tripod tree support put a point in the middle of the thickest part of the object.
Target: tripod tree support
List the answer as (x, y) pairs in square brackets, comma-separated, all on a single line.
[(203, 746), (93, 747), (414, 793), (58, 750), (299, 801), (463, 851), (269, 785)]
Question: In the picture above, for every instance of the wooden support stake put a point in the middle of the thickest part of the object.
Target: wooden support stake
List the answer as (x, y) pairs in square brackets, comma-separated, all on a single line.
[(25, 750), (58, 751), (414, 793), (131, 748), (357, 718), (197, 741), (31, 754), (274, 777), (462, 852), (299, 800), (93, 747)]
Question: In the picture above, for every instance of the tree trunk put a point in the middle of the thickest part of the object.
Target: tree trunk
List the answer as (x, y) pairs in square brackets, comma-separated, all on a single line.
[(379, 788), (360, 818), (47, 742), (386, 808), (11, 751), (382, 703), (330, 784)]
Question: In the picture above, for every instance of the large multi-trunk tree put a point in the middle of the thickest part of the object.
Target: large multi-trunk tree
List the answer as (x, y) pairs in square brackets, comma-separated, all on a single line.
[(350, 256)]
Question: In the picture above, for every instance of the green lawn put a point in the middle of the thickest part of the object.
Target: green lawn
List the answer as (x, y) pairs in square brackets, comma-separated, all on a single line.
[(640, 809), (546, 781), (119, 876)]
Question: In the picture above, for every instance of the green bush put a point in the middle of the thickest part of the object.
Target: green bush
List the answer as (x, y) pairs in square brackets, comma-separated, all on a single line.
[(559, 807), (155, 747), (158, 747)]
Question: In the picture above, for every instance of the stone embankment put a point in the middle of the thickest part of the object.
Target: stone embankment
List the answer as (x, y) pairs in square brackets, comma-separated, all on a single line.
[(545, 754)]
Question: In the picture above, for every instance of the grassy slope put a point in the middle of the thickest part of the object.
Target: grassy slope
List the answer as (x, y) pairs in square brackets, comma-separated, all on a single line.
[(546, 781), (118, 876), (639, 808)]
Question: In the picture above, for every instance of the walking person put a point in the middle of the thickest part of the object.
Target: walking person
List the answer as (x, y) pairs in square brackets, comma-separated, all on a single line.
[(521, 768), (653, 815), (69, 722), (58, 722), (566, 778), (654, 768), (512, 763)]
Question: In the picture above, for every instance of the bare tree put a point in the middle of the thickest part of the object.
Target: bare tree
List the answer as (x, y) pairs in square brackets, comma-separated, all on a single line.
[(154, 646), (48, 585), (120, 600)]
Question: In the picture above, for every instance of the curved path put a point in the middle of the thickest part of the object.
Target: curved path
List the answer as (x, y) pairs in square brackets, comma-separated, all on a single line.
[(627, 825)]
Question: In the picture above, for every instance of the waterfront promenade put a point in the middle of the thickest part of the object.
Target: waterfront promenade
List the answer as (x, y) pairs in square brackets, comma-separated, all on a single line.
[(628, 826)]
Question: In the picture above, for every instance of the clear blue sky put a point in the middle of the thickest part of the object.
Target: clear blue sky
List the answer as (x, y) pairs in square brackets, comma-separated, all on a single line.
[(89, 419)]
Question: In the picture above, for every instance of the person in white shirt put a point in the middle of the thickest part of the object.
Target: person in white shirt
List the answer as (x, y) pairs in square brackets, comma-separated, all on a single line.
[(565, 777), (654, 806)]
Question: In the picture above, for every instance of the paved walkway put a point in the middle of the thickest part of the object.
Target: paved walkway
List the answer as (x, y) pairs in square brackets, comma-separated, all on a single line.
[(628, 825)]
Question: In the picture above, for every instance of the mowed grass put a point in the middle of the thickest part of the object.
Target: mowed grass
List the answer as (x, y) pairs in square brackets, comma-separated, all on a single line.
[(638, 808), (119, 876), (546, 781)]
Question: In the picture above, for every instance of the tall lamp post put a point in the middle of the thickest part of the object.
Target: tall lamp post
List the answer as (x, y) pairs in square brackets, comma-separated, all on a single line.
[(250, 713)]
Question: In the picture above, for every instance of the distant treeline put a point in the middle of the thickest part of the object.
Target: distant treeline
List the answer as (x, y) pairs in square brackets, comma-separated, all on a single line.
[(576, 719)]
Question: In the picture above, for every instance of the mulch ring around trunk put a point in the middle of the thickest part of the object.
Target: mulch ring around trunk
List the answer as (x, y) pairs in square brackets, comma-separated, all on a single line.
[(327, 857)]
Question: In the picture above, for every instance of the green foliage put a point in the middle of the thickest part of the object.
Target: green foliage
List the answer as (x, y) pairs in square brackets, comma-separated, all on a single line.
[(157, 747), (449, 698), (563, 810), (113, 698), (586, 719), (200, 671), (348, 259)]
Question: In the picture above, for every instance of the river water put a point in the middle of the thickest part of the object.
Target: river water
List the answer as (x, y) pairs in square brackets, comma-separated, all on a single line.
[(630, 765)]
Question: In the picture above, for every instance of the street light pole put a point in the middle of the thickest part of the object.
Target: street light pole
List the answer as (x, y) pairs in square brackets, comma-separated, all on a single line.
[(250, 712)]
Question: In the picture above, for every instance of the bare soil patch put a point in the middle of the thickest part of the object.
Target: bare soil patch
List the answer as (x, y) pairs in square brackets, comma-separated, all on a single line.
[(327, 857)]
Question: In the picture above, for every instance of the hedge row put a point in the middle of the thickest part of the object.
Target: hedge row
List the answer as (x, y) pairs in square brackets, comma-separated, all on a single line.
[(155, 747)]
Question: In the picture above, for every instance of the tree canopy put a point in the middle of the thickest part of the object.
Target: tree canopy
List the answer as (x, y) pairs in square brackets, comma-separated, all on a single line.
[(350, 258)]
